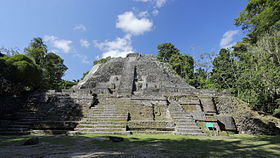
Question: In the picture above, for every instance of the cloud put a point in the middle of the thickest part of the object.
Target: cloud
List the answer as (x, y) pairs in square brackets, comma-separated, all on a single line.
[(119, 47), (143, 14), (155, 12), (227, 40), (63, 45), (80, 27), (159, 3), (84, 43), (129, 23), (156, 3), (83, 58), (49, 38), (60, 44)]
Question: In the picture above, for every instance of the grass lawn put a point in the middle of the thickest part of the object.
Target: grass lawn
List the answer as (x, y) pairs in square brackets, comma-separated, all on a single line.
[(144, 146)]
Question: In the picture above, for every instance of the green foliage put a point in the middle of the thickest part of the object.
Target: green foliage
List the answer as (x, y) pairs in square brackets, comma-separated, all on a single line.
[(182, 64), (260, 16), (37, 50), (166, 51), (84, 75), (55, 69), (67, 84), (52, 65), (202, 80), (101, 61), (224, 70), (37, 70), (251, 72), (276, 113), (18, 73)]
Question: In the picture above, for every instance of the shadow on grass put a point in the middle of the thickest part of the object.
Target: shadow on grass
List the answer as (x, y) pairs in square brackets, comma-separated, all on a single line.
[(169, 146)]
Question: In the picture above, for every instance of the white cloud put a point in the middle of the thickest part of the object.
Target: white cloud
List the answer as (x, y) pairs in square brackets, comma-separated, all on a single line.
[(83, 58), (119, 47), (60, 44), (143, 14), (49, 38), (129, 23), (84, 43), (227, 40), (159, 3), (80, 27), (63, 45), (156, 3), (155, 12)]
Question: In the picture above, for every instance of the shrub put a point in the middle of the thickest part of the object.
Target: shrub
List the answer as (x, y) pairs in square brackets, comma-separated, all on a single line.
[(276, 113)]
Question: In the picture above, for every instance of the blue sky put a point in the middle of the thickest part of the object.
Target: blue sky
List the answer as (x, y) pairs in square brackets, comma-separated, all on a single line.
[(81, 31)]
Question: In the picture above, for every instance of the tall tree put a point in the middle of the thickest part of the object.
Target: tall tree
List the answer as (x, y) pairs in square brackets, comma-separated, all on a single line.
[(55, 70), (19, 73), (260, 16), (166, 51), (52, 65), (37, 50), (183, 65), (224, 70)]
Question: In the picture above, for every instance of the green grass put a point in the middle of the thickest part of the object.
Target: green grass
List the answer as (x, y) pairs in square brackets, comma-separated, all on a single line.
[(169, 145)]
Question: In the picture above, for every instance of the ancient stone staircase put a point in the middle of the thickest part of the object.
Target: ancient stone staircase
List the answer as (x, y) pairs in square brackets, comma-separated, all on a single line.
[(185, 124), (104, 119), (19, 123)]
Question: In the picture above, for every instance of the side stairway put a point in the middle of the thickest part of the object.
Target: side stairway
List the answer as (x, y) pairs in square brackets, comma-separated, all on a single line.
[(104, 119), (19, 123), (185, 124)]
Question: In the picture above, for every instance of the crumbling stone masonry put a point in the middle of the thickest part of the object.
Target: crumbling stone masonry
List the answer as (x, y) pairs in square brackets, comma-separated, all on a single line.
[(136, 94)]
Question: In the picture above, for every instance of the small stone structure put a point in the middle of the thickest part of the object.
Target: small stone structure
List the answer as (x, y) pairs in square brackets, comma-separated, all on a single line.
[(136, 94)]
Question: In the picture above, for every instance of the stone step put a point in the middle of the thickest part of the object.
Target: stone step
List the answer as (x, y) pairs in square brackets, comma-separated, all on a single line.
[(23, 123), (189, 134), (19, 126), (106, 119), (49, 131), (99, 132), (29, 119), (151, 132), (179, 113), (13, 129), (100, 129), (185, 124), (101, 125), (14, 132), (184, 120), (189, 130), (102, 122), (187, 127), (111, 115)]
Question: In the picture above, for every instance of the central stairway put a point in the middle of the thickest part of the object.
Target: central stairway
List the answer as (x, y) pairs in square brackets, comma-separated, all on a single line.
[(104, 119), (185, 124)]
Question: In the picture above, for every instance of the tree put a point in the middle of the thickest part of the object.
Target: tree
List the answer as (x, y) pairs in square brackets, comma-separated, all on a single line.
[(259, 17), (37, 50), (19, 73), (183, 65), (101, 61), (166, 51), (52, 65), (224, 73), (55, 70)]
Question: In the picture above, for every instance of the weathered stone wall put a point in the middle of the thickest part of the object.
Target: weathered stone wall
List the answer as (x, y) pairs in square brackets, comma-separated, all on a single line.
[(59, 106), (247, 121)]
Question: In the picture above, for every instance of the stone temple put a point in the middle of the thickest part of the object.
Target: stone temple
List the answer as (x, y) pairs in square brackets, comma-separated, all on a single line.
[(136, 94)]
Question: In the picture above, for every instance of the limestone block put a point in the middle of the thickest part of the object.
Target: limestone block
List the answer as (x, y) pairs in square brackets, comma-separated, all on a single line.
[(226, 122), (208, 105)]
